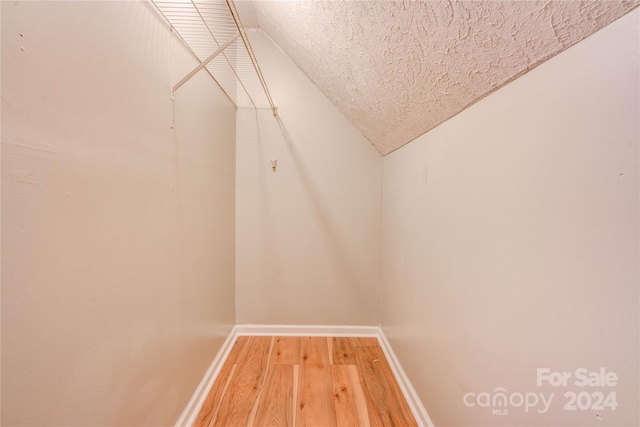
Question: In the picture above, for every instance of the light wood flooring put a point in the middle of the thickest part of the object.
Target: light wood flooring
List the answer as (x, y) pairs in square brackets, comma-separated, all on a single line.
[(305, 381)]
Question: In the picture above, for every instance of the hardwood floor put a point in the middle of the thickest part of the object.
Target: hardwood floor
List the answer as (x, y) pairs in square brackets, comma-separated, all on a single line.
[(305, 381)]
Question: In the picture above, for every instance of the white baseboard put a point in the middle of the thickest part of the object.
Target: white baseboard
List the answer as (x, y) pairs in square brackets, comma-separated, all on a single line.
[(190, 413), (414, 402), (309, 330)]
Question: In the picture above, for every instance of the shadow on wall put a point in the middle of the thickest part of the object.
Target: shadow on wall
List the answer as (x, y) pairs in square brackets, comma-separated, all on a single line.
[(338, 252), (269, 253)]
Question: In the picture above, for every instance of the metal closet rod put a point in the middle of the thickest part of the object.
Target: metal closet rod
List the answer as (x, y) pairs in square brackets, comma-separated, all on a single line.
[(203, 64), (247, 45)]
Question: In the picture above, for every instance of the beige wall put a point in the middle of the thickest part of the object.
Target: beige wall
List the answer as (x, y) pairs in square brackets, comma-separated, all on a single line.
[(117, 232), (521, 250), (308, 235)]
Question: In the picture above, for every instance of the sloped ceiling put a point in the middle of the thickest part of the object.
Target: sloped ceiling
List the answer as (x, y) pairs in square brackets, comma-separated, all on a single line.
[(397, 69)]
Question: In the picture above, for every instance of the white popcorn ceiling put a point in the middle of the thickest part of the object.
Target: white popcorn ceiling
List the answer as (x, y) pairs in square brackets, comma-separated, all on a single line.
[(397, 69)]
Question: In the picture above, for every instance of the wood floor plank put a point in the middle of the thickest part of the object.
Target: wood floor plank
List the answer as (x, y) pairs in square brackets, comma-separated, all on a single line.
[(245, 385), (236, 351), (276, 401), (358, 394), (296, 371), (387, 406), (365, 342), (343, 352), (212, 402), (286, 351), (254, 408), (315, 392), (348, 397)]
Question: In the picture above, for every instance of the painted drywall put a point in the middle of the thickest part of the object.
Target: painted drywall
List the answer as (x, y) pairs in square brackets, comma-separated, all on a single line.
[(117, 221), (510, 243), (397, 69), (308, 234)]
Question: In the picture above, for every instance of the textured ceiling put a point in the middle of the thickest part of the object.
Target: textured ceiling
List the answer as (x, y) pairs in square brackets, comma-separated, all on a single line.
[(397, 69)]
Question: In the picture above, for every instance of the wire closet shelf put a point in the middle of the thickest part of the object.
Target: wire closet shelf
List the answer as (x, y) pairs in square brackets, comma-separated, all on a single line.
[(213, 33)]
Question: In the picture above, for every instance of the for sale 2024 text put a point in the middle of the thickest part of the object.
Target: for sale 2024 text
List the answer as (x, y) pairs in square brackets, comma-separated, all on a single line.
[(582, 377)]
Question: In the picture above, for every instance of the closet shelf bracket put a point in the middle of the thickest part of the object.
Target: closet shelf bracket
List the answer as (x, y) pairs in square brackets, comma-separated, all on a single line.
[(203, 64)]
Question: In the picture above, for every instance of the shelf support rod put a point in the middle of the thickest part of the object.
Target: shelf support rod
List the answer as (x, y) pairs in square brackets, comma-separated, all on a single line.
[(236, 19), (203, 64)]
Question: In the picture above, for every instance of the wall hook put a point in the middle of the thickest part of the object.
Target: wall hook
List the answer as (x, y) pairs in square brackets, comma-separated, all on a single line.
[(274, 164)]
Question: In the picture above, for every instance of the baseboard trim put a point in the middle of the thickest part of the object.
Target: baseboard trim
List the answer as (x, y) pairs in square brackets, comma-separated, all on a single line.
[(414, 402), (190, 413), (309, 330)]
